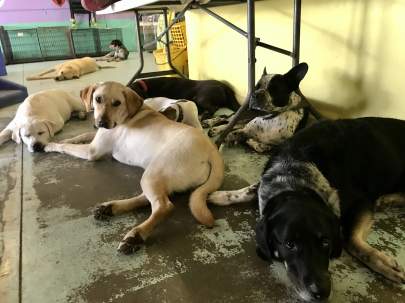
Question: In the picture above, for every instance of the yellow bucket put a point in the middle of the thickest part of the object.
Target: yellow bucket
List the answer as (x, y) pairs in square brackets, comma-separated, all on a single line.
[(178, 56)]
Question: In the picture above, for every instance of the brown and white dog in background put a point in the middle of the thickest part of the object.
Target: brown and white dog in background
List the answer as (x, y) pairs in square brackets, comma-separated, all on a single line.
[(119, 52)]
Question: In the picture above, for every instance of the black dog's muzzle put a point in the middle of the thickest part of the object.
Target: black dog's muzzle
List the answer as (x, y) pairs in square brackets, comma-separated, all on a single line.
[(261, 100)]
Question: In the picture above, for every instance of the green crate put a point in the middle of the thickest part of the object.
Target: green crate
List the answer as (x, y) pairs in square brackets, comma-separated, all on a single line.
[(52, 43), (24, 45), (55, 42), (85, 42)]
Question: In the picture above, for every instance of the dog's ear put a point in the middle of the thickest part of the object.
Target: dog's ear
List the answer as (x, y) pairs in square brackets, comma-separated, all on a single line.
[(263, 239), (264, 72), (86, 95), (295, 75), (15, 136), (133, 100), (50, 126)]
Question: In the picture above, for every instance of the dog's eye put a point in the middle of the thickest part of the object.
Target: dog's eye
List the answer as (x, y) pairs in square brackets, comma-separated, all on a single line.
[(40, 133), (290, 245), (98, 99), (116, 103)]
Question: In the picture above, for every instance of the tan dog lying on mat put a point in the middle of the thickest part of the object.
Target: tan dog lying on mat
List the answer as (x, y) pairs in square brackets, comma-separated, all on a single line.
[(176, 158), (40, 116), (71, 69)]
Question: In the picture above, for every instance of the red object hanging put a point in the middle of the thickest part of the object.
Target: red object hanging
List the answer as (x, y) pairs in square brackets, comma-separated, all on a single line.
[(59, 2), (96, 5)]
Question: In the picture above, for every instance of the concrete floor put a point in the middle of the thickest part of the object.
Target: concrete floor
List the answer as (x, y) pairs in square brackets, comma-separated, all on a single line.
[(52, 250)]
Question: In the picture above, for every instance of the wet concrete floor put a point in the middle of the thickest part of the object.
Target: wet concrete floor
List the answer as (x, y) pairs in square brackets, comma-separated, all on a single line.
[(52, 249)]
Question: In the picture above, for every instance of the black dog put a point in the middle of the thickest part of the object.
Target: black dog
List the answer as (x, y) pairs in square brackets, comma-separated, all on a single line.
[(327, 177), (209, 95), (276, 112)]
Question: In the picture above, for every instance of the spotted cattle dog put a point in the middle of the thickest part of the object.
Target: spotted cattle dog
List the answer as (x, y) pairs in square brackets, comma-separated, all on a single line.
[(319, 192), (277, 110)]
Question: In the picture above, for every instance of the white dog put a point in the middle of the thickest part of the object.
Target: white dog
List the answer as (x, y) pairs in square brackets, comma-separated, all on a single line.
[(40, 116), (176, 157), (183, 111)]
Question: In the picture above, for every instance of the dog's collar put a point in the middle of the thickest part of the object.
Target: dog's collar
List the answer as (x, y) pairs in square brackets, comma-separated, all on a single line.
[(292, 175), (143, 85), (181, 114)]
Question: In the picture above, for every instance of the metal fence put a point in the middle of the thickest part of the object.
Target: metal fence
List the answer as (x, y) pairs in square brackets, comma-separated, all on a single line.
[(54, 43)]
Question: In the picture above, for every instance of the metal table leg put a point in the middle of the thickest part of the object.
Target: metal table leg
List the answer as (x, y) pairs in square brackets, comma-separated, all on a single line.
[(251, 69)]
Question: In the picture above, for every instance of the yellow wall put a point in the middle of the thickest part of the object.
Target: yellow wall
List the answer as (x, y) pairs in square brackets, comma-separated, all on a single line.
[(355, 50)]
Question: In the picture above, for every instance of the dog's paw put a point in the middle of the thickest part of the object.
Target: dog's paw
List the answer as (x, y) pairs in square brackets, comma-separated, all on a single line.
[(395, 273), (103, 212), (52, 147), (233, 138), (257, 146), (215, 131), (218, 197), (387, 266), (217, 121), (131, 244), (205, 124)]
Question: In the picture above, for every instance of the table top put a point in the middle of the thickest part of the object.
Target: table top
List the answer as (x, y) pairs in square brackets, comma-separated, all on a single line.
[(125, 5)]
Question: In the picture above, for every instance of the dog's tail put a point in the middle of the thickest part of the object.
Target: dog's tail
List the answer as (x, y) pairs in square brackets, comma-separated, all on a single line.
[(230, 96), (198, 198), (105, 66), (42, 76), (228, 197), (36, 77)]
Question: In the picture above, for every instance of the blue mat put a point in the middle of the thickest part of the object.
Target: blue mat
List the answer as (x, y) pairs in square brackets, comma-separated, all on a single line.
[(11, 93), (3, 70)]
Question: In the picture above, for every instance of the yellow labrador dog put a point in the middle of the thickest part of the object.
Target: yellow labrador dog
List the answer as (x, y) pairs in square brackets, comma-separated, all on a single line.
[(176, 157), (40, 116), (71, 69)]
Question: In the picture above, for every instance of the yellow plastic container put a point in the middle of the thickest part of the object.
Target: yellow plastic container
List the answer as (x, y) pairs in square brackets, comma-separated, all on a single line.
[(178, 33), (178, 56)]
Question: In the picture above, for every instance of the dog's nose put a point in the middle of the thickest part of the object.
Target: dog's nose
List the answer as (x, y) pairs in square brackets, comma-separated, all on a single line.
[(38, 147), (102, 123)]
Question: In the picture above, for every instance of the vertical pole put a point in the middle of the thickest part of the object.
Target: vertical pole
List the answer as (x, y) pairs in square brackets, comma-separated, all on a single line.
[(296, 32), (252, 42), (168, 52), (251, 47), (140, 46)]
